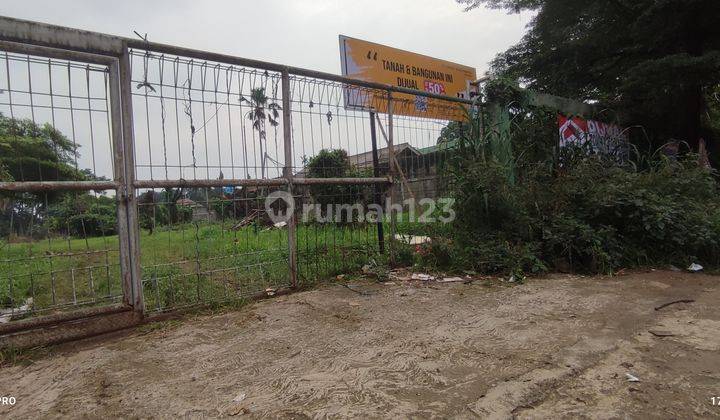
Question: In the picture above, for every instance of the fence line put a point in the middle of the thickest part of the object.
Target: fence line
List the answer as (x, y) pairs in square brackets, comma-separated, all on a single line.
[(196, 142)]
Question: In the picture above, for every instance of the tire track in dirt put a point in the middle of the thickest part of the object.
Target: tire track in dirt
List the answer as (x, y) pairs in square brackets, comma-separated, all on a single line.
[(548, 348)]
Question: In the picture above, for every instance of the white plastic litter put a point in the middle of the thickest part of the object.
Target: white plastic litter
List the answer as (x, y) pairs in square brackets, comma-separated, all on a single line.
[(694, 268), (7, 314), (632, 378), (413, 240), (451, 280)]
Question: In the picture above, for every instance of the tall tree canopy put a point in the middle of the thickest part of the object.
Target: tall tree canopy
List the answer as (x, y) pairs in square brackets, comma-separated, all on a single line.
[(30, 152), (656, 62)]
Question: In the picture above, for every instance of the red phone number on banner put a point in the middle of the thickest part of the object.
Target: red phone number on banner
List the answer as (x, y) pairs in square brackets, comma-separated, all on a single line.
[(434, 87)]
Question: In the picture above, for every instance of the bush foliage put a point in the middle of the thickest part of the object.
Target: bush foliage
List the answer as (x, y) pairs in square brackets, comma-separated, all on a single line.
[(593, 216), (570, 210)]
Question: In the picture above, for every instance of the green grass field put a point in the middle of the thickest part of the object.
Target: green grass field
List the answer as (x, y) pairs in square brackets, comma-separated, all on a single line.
[(181, 266)]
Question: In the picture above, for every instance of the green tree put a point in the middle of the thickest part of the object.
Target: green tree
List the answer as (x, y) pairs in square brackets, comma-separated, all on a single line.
[(335, 164), (84, 215), (31, 152), (262, 111), (654, 61)]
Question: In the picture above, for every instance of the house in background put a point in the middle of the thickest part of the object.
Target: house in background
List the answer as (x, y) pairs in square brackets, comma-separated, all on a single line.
[(199, 211), (419, 168)]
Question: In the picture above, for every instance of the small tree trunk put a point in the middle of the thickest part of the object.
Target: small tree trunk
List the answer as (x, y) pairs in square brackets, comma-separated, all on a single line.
[(262, 159)]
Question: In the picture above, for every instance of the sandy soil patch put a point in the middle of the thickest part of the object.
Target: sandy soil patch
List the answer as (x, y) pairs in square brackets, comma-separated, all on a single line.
[(558, 347)]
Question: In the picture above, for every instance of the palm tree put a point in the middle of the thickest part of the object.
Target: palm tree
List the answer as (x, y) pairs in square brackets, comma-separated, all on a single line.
[(260, 112)]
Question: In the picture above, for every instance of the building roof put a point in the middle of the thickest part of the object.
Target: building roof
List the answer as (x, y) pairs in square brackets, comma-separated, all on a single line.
[(437, 147), (186, 202), (365, 159)]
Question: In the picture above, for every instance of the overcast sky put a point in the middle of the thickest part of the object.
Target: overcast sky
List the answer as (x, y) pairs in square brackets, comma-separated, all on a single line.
[(301, 33)]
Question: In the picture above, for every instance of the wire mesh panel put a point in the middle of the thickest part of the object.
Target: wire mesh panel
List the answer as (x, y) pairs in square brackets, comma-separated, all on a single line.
[(322, 121), (198, 119), (207, 121), (59, 247), (343, 130), (209, 151), (422, 145), (196, 252), (336, 232)]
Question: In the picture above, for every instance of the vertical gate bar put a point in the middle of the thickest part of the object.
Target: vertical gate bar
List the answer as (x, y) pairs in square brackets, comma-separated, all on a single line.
[(391, 162), (137, 302), (376, 188), (121, 193), (288, 173)]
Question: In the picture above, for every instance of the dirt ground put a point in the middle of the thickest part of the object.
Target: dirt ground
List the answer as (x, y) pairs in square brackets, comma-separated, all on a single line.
[(558, 347)]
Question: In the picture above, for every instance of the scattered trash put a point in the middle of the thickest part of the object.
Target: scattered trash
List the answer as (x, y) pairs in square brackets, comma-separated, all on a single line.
[(451, 280), (660, 333), (511, 279), (422, 277), (673, 303), (373, 269), (340, 277), (694, 268), (6, 315), (240, 397), (270, 291), (413, 240), (280, 225), (632, 378), (248, 220), (236, 409)]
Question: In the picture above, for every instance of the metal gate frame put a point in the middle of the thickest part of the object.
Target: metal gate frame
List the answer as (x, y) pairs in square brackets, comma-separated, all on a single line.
[(53, 41)]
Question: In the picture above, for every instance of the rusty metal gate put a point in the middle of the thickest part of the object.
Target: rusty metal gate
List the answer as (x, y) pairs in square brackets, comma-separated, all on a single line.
[(142, 172)]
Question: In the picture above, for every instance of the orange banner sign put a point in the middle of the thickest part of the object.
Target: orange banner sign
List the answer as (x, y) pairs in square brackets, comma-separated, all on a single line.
[(378, 63)]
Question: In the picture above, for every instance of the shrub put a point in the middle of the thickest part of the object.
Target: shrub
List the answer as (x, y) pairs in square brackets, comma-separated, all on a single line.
[(587, 214)]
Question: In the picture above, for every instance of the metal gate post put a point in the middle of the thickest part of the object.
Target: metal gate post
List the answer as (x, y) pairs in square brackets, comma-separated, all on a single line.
[(288, 173), (392, 162), (376, 188), (119, 175), (129, 197)]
